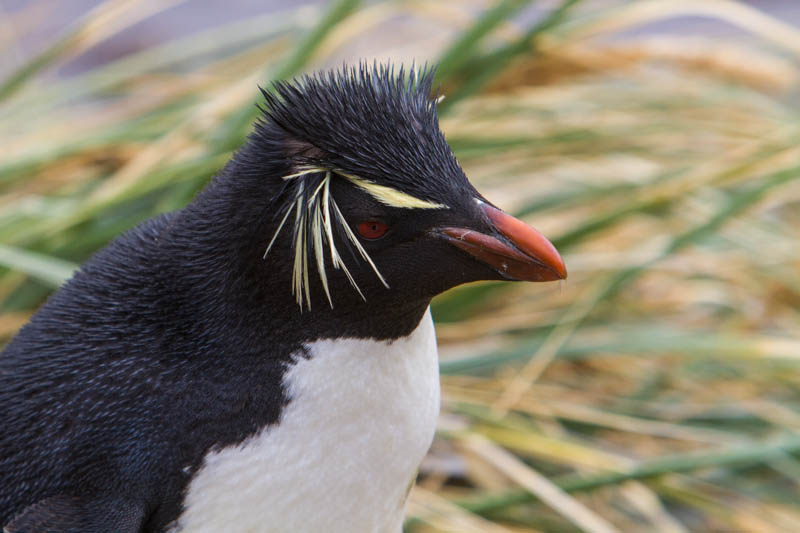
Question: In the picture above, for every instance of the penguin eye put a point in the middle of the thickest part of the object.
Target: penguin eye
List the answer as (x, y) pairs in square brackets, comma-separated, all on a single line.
[(372, 229)]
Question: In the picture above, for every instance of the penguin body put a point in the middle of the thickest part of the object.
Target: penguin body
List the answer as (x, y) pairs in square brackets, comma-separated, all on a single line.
[(263, 359), (360, 419)]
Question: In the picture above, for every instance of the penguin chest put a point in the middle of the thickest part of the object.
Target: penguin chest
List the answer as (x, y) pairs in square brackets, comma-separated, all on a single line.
[(360, 418)]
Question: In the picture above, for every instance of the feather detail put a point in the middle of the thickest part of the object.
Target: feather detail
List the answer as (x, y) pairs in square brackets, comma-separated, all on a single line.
[(390, 196), (315, 213)]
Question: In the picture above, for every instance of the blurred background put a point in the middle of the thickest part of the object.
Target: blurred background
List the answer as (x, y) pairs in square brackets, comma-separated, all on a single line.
[(654, 141)]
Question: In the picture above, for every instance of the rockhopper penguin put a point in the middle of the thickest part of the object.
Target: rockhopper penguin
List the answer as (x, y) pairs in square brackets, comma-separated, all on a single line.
[(263, 359)]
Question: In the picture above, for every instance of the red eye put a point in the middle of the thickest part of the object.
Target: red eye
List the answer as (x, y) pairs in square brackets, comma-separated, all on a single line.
[(372, 229)]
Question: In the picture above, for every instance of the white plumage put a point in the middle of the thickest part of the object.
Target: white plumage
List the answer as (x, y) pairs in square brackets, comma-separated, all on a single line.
[(361, 418)]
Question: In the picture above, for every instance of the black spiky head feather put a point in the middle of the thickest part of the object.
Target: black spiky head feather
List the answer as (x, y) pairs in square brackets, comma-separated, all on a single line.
[(372, 121)]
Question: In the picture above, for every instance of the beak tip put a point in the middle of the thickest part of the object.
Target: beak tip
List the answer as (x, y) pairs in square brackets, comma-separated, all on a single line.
[(560, 269), (529, 241), (557, 264)]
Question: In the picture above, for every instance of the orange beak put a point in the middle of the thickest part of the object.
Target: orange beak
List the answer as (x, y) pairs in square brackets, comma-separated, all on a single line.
[(526, 256)]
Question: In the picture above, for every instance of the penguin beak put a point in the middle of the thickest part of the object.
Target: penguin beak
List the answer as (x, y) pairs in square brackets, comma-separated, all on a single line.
[(517, 251)]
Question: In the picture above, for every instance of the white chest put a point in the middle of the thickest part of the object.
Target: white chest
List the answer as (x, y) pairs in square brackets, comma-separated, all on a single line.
[(360, 420)]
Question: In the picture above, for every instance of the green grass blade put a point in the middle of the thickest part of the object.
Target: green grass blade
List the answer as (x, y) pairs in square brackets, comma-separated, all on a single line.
[(50, 270), (463, 48)]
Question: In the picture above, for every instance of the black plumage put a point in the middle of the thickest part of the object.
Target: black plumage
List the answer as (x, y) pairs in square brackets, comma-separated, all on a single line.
[(173, 339)]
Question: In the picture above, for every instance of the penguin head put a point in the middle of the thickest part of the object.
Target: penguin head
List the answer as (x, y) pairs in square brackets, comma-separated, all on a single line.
[(367, 202)]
